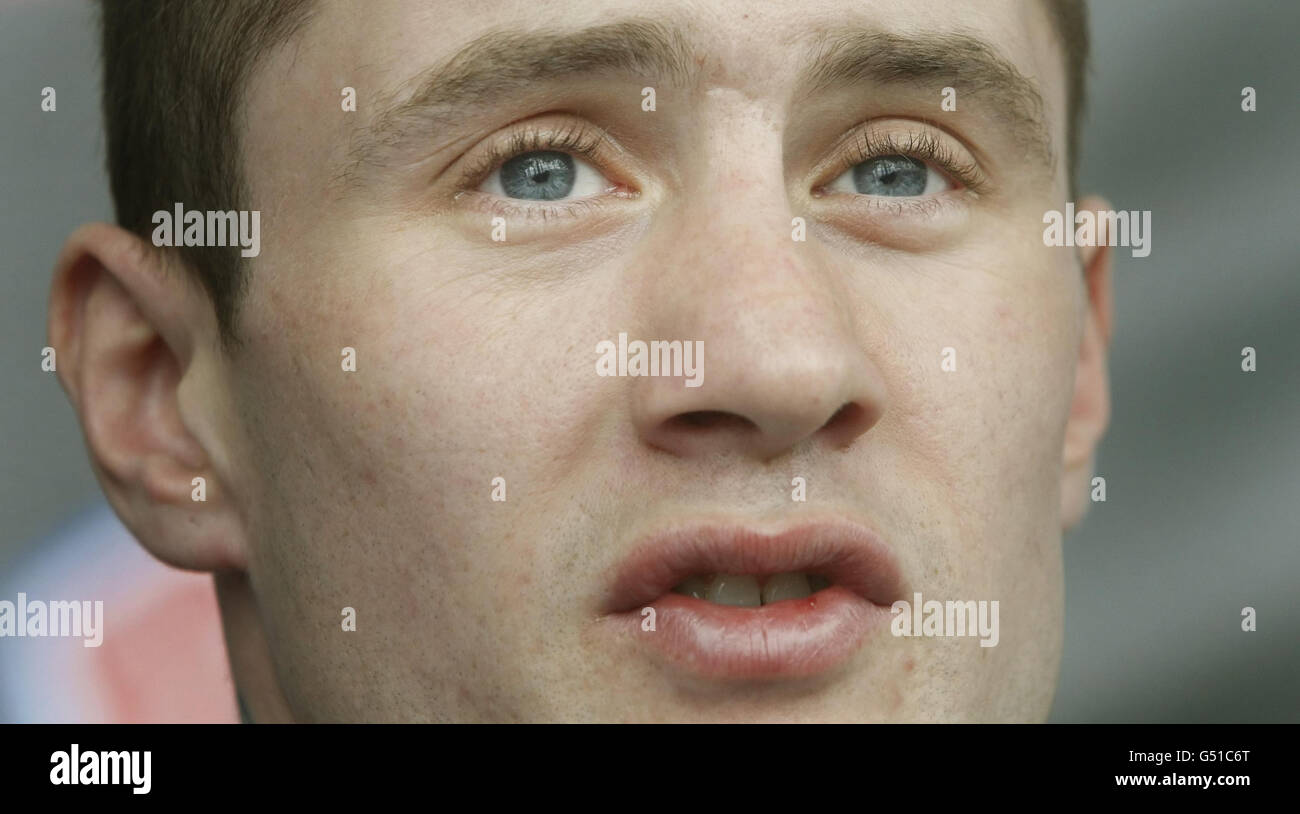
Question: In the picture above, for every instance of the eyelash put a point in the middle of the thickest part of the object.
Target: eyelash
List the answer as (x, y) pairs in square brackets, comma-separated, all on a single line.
[(584, 140), (576, 139), (920, 146)]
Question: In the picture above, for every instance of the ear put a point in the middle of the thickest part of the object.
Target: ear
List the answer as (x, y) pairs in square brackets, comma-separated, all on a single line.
[(131, 334), (1090, 408)]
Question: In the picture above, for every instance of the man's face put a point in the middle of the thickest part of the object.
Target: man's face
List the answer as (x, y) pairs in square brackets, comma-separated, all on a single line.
[(913, 360)]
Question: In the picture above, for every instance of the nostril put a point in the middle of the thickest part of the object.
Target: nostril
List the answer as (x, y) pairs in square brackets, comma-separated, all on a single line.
[(848, 421), (710, 419), (847, 414)]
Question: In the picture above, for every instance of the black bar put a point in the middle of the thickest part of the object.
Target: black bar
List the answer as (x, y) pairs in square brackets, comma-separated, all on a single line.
[(566, 764)]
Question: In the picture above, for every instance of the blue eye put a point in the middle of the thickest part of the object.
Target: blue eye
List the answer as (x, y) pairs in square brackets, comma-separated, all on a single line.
[(895, 176), (544, 175), (890, 175), (540, 176)]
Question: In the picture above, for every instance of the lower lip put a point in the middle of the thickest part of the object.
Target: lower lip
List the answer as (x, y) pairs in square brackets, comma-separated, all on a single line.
[(795, 638)]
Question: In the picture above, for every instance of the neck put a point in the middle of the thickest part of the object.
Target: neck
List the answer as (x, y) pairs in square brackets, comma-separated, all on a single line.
[(257, 690)]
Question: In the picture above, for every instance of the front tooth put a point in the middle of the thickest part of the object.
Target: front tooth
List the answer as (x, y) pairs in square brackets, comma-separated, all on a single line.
[(696, 586), (740, 591), (785, 586), (816, 584)]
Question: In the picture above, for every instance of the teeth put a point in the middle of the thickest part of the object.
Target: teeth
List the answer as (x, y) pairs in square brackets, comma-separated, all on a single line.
[(739, 591), (785, 586), (696, 586), (747, 591)]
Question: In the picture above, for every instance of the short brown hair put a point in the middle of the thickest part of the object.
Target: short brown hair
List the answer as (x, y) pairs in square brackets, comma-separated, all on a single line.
[(1070, 20), (174, 79)]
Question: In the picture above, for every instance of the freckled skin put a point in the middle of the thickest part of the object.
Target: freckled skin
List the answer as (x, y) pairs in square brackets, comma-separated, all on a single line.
[(373, 489)]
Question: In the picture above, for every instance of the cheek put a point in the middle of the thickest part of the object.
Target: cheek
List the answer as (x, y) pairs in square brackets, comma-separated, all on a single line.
[(984, 364), (373, 487), (981, 370), (457, 383)]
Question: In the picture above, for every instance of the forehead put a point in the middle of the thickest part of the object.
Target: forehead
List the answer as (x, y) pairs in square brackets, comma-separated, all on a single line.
[(740, 38)]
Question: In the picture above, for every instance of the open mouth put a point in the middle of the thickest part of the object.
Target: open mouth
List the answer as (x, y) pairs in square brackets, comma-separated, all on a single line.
[(732, 602), (749, 591)]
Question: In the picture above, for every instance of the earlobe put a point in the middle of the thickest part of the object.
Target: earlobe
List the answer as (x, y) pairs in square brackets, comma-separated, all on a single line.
[(1090, 406), (126, 329)]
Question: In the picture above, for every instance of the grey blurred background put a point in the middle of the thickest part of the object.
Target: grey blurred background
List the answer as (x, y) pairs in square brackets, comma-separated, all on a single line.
[(1202, 460)]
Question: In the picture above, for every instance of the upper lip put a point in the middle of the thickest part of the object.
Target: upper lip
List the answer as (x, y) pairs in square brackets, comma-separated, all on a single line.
[(848, 554)]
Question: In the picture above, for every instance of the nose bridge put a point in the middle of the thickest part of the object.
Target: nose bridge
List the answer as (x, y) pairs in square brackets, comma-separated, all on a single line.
[(728, 271), (734, 190), (727, 248), (781, 359)]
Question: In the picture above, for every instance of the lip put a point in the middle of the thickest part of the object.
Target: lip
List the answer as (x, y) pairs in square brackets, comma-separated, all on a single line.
[(795, 638)]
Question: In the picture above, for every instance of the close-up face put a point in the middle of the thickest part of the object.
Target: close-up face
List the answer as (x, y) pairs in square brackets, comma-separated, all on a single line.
[(456, 472), (503, 200)]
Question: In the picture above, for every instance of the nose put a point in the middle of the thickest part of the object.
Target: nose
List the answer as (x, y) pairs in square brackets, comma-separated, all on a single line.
[(759, 411), (783, 365)]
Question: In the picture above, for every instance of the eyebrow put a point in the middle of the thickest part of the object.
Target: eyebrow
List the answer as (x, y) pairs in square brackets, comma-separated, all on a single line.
[(964, 62), (503, 64)]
